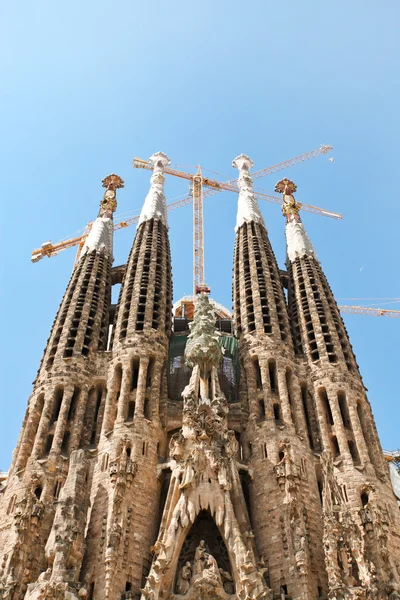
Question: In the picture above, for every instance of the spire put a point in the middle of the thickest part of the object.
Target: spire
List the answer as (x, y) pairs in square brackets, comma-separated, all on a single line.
[(154, 206), (101, 234), (298, 243), (248, 209)]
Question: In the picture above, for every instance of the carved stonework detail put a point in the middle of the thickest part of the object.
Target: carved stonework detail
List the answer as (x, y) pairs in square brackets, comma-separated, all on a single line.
[(204, 474)]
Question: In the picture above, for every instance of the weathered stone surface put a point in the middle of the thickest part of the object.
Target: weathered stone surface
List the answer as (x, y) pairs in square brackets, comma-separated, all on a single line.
[(118, 492)]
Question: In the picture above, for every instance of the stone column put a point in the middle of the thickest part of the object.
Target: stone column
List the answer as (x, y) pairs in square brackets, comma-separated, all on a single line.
[(44, 424), (27, 441), (141, 386), (263, 362), (339, 427), (283, 395), (111, 400), (62, 419), (77, 427), (124, 394), (358, 433)]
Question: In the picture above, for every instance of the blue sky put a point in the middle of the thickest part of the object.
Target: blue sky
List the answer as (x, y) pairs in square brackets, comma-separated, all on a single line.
[(86, 86)]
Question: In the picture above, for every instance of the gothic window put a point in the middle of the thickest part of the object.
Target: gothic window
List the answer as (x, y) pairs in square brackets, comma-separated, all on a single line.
[(344, 410), (326, 406), (48, 445), (257, 371), (277, 412), (354, 452), (131, 411), (74, 400), (58, 396), (335, 447), (38, 491), (272, 376), (147, 409), (135, 374), (65, 443)]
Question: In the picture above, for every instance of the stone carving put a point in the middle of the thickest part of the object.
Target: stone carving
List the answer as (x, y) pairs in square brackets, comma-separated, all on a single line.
[(248, 209), (185, 576), (349, 571), (65, 546), (155, 204), (7, 589), (204, 474), (287, 472)]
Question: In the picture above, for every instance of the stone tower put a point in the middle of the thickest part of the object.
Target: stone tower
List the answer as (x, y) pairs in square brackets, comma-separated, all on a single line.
[(198, 455)]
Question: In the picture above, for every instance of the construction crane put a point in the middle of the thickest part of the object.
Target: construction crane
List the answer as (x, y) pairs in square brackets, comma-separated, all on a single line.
[(196, 197), (212, 187), (370, 311), (198, 193)]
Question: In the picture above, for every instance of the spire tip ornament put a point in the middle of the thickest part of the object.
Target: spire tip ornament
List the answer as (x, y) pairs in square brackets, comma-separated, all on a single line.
[(155, 205), (248, 209), (243, 162), (108, 204), (290, 208), (298, 243), (159, 160)]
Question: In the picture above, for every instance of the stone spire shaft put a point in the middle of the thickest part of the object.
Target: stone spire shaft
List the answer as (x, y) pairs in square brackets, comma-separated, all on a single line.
[(258, 297), (79, 332), (320, 335), (274, 401), (67, 399), (145, 301), (131, 429)]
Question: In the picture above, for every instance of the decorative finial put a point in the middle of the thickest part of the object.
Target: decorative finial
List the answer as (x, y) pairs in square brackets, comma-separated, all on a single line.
[(298, 243), (100, 237), (109, 203), (290, 208), (159, 161), (155, 206), (243, 162), (248, 209)]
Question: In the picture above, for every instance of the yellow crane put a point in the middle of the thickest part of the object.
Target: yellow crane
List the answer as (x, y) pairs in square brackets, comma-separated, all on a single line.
[(203, 187), (212, 186), (199, 182)]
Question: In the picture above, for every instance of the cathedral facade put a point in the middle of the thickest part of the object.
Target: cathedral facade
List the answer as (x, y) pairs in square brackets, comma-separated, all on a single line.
[(197, 454)]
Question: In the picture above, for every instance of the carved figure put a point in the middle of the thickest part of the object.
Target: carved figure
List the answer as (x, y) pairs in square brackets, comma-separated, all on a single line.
[(199, 559), (211, 574), (184, 578)]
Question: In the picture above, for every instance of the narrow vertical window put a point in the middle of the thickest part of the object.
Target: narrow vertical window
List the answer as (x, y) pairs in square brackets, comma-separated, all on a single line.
[(257, 372), (326, 406), (272, 375)]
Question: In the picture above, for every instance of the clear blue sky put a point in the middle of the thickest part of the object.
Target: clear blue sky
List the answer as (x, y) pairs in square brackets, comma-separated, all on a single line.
[(86, 86)]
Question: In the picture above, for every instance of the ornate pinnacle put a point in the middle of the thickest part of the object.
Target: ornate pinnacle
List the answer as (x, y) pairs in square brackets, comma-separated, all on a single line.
[(285, 186), (108, 204), (290, 208), (243, 162), (248, 209), (159, 161), (112, 182)]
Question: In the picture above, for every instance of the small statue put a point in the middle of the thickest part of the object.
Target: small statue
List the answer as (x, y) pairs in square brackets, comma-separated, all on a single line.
[(184, 578), (199, 559)]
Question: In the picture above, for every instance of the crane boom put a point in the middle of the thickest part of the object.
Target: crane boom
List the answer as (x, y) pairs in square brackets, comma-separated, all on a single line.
[(212, 187), (372, 312)]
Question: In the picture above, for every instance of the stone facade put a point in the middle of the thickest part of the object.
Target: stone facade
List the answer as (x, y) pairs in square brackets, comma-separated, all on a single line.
[(269, 485)]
